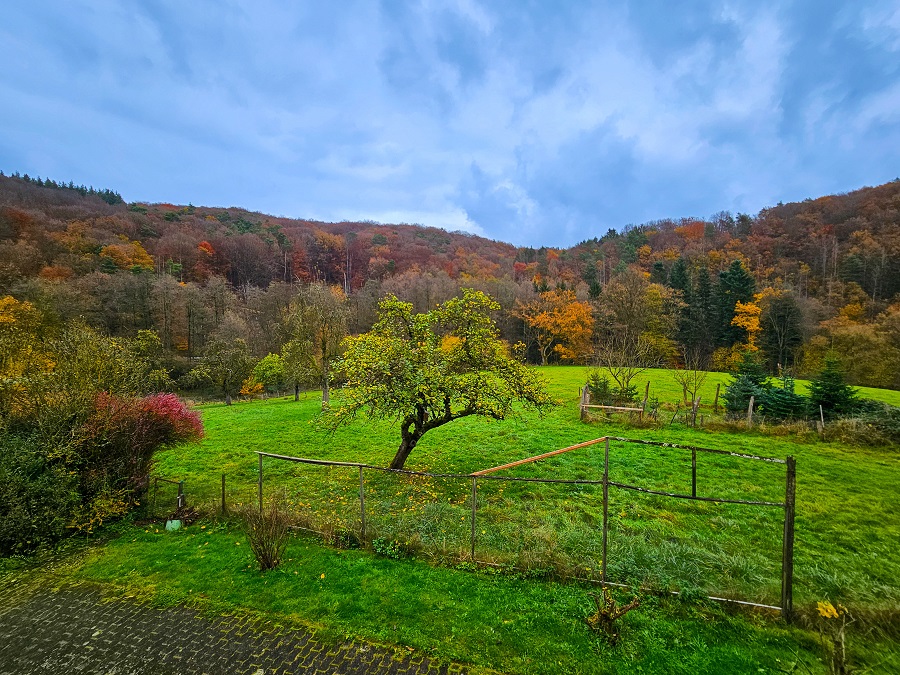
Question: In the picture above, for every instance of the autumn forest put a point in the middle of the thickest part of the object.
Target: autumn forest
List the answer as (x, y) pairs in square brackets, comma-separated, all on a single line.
[(791, 283)]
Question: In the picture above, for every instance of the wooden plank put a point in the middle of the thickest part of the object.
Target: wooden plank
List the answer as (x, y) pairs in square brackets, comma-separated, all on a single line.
[(537, 457), (605, 510), (613, 407)]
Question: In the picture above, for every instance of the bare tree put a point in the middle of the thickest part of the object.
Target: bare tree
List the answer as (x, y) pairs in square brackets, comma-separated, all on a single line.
[(624, 356), (694, 373)]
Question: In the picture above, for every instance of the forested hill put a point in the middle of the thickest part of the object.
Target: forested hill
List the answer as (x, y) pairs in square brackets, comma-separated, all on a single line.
[(823, 273), (62, 232)]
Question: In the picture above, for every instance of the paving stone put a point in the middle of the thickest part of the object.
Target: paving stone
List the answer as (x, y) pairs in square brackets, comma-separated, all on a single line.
[(74, 629)]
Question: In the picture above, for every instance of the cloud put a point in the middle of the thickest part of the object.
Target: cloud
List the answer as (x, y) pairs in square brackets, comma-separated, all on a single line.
[(537, 125)]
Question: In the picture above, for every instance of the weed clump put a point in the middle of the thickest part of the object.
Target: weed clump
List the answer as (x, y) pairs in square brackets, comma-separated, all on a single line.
[(267, 530)]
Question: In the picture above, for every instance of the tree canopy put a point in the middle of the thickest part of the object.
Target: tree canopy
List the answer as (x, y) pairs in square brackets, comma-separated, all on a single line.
[(425, 370)]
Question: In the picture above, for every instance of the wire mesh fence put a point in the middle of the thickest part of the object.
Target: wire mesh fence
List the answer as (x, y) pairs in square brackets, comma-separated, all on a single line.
[(656, 519)]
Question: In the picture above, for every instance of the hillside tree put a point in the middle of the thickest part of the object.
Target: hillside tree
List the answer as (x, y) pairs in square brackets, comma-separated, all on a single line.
[(317, 325), (426, 370)]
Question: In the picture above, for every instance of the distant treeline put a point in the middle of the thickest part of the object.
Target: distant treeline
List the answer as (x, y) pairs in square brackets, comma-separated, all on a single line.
[(109, 196)]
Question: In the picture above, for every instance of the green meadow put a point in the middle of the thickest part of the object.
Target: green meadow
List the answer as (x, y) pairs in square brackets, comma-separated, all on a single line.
[(521, 607)]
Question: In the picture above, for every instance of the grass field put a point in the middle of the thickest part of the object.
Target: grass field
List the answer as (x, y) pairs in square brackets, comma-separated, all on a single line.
[(846, 546)]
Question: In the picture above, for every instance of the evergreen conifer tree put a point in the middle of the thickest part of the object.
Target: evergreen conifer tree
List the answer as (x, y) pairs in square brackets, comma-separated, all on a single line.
[(830, 390), (749, 379), (735, 285)]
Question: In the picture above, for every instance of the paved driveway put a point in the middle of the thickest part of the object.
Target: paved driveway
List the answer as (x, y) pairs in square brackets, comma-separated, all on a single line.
[(74, 630)]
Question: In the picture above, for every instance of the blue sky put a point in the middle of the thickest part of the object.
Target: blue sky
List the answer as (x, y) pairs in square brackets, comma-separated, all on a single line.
[(537, 123)]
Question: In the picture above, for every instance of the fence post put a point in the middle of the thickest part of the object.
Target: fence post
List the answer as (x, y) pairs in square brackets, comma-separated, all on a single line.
[(179, 501), (605, 508), (474, 504), (787, 554), (259, 485), (362, 510), (693, 472), (223, 494), (716, 402), (750, 412)]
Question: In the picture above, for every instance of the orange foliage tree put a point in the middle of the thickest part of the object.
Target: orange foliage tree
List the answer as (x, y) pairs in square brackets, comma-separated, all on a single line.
[(561, 323)]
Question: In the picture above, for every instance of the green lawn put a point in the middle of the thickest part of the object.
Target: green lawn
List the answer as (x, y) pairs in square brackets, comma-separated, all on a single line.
[(846, 547)]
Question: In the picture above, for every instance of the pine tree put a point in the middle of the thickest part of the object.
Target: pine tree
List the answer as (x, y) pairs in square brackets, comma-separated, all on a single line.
[(830, 390), (779, 404), (749, 380), (735, 285), (703, 314)]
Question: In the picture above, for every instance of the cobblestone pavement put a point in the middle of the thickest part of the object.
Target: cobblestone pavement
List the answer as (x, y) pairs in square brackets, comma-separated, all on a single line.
[(74, 630)]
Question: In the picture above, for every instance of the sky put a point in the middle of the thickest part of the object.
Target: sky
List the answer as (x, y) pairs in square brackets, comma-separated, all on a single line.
[(536, 123)]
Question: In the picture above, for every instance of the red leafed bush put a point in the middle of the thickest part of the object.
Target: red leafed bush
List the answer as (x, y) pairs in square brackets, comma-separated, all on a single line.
[(117, 441), (169, 411)]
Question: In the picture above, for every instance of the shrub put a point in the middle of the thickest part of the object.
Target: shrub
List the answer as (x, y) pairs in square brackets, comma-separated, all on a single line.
[(267, 531), (875, 424), (37, 499), (81, 474), (115, 445), (604, 392)]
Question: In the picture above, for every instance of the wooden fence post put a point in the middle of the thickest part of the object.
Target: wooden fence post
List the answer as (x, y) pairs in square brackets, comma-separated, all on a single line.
[(605, 509), (787, 552), (474, 505), (750, 412), (362, 510), (716, 402), (646, 395)]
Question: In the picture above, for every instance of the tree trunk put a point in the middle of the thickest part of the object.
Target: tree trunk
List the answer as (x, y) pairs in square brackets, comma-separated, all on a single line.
[(227, 398), (406, 447), (296, 391), (326, 394)]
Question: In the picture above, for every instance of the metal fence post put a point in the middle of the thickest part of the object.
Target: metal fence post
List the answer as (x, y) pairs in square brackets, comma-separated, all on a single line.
[(259, 486), (474, 507), (605, 508), (362, 509), (787, 554), (693, 472)]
